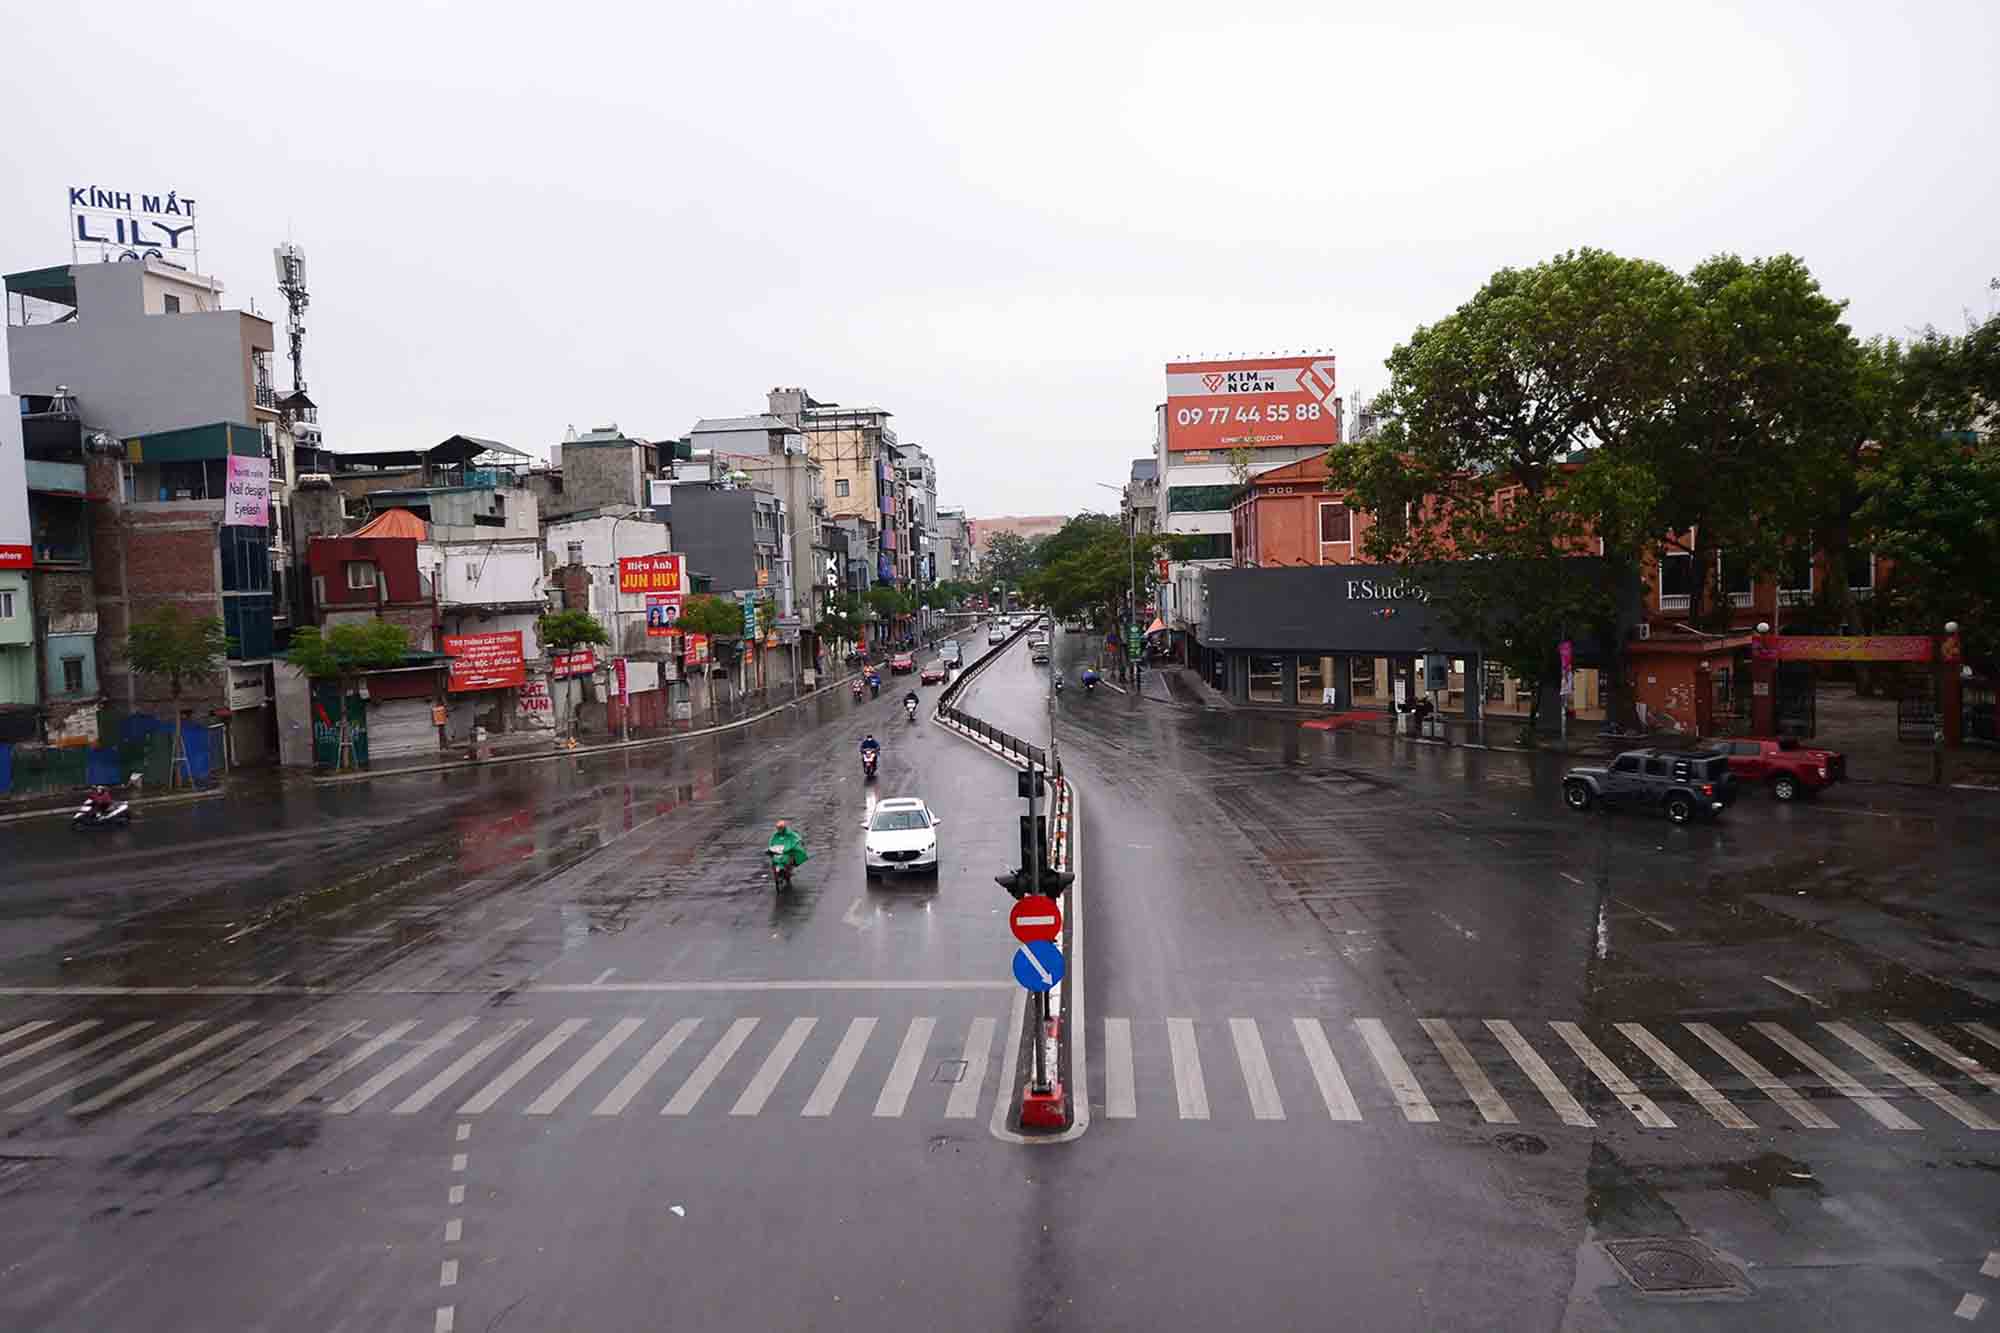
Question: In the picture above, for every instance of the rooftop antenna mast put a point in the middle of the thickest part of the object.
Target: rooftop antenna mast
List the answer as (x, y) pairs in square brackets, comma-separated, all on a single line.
[(290, 260)]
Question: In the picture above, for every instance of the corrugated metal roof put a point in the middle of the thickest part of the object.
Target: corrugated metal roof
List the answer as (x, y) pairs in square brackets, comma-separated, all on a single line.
[(764, 421)]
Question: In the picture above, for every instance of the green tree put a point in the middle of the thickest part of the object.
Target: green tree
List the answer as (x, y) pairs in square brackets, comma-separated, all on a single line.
[(841, 620), (1515, 428), (1933, 508), (567, 631), (707, 614), (1083, 569), (344, 651), (1009, 558), (171, 646)]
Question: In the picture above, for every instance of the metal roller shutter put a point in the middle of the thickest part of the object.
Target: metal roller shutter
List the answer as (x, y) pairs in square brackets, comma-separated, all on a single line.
[(400, 728)]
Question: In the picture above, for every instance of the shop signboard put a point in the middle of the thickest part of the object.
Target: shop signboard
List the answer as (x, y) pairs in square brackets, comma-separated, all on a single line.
[(17, 549), (582, 662), (491, 661), (663, 612), (1264, 402), (650, 573)]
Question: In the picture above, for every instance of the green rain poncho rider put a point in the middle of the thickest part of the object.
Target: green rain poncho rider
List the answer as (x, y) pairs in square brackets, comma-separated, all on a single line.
[(793, 846)]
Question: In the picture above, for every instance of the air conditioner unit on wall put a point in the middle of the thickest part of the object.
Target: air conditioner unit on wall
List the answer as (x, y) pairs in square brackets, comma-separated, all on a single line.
[(1645, 630)]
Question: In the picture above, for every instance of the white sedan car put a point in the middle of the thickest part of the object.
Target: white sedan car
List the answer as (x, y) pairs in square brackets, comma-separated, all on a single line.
[(902, 838)]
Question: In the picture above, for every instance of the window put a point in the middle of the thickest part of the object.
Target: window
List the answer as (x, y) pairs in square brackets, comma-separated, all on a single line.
[(1860, 570), (1748, 748), (173, 304), (6, 605), (1201, 499), (1795, 579), (1335, 524), (1676, 580), (1656, 768), (840, 485), (72, 669), (1267, 679), (1735, 578), (1626, 764), (360, 574), (900, 821)]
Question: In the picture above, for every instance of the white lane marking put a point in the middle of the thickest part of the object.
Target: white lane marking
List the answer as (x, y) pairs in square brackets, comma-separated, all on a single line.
[(1991, 1268), (1492, 1106), (963, 1104), (67, 1057), (1692, 1083), (1969, 1306), (1839, 1079), (111, 1066), (895, 1093), (605, 976), (454, 1230), (1779, 1091), (253, 1078), (765, 1081), (1647, 917), (1788, 986), (1333, 1089), (455, 1195), (826, 1093), (585, 1066), (1396, 1073), (443, 1080), (711, 1065), (518, 923), (1450, 819), (1571, 878), (649, 1064), (1950, 1054), (13, 1034), (1611, 1076), (448, 1273), (1567, 1108), (1263, 1088), (1189, 1088), (164, 1097), (462, 1133), (447, 1320), (459, 1160), (1923, 1085), (353, 1060), (522, 1067), (1121, 1098), (1984, 1033), (438, 1040), (154, 1072)]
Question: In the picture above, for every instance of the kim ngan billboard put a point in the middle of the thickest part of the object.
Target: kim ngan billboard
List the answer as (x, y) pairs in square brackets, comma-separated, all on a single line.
[(1264, 402)]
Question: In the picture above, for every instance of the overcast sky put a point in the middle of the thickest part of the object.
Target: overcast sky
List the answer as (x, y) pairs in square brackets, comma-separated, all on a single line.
[(995, 222)]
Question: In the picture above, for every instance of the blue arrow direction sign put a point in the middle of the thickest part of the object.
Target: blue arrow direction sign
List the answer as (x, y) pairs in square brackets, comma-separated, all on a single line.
[(1038, 965)]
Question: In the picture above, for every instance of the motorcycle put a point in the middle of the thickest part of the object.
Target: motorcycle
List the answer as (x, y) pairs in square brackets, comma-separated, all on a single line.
[(1090, 684), (874, 687), (910, 707), (855, 690), (781, 868), (89, 816), (869, 759)]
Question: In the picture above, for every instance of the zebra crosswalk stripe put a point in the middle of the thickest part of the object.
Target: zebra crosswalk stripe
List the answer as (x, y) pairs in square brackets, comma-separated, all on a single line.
[(586, 1065), (1950, 1103), (909, 1062), (963, 1104), (1121, 1099), (1567, 1108), (111, 1066), (258, 1077), (833, 1079), (765, 1081), (12, 1035), (66, 1058), (1257, 1079), (1190, 1089), (1845, 1083), (1611, 1076), (161, 1098), (442, 1081), (152, 1073), (690, 1093), (439, 1040), (1951, 1055), (1492, 1106), (1692, 1083), (649, 1064), (1784, 1094), (523, 1066), (351, 1061), (1403, 1085), (1333, 1089)]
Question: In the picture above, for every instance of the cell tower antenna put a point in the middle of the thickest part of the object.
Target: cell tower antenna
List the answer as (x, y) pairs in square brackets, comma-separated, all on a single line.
[(290, 260)]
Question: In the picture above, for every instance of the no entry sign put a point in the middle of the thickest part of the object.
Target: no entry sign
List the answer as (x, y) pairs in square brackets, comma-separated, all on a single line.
[(1035, 918)]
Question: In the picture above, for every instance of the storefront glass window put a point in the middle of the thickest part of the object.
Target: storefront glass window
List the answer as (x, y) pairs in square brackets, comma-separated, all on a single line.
[(1370, 679), (1267, 679), (1312, 679)]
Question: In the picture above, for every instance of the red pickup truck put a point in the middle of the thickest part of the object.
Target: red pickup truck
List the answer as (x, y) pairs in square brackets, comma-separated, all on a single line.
[(1792, 770)]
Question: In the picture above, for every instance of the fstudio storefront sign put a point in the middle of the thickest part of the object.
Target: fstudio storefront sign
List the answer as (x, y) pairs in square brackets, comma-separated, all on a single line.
[(111, 225)]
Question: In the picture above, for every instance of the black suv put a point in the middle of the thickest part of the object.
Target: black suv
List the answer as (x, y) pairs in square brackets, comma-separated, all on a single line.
[(1684, 783)]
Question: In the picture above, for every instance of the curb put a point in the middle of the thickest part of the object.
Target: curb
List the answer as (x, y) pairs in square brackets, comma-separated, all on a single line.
[(610, 747)]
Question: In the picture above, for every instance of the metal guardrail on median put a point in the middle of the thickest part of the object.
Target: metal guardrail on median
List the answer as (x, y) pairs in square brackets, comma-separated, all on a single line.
[(1007, 742)]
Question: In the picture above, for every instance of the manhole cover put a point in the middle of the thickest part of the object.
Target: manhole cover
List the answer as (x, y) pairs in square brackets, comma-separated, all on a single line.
[(1673, 1266)]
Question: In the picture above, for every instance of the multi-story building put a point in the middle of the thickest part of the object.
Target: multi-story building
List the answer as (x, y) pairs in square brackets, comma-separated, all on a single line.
[(858, 454), (953, 546), (774, 455), (467, 488), (603, 468), (1139, 504)]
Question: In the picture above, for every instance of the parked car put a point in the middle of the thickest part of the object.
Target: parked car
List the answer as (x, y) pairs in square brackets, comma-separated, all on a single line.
[(1683, 783), (902, 664), (1039, 656), (933, 674), (997, 634), (1792, 770)]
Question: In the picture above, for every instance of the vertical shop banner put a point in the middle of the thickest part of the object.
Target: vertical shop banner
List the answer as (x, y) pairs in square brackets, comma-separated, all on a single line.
[(485, 661), (249, 492), (697, 648), (663, 612)]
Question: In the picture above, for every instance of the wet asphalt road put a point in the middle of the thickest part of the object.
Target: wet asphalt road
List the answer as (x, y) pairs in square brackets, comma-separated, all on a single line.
[(537, 1047)]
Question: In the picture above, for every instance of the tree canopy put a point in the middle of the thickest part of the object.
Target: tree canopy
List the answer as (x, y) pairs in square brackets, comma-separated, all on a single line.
[(172, 646), (704, 613), (567, 631), (1009, 558), (345, 650)]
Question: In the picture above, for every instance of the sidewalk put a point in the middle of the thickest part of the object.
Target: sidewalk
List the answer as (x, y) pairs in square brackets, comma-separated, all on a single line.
[(1185, 686)]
